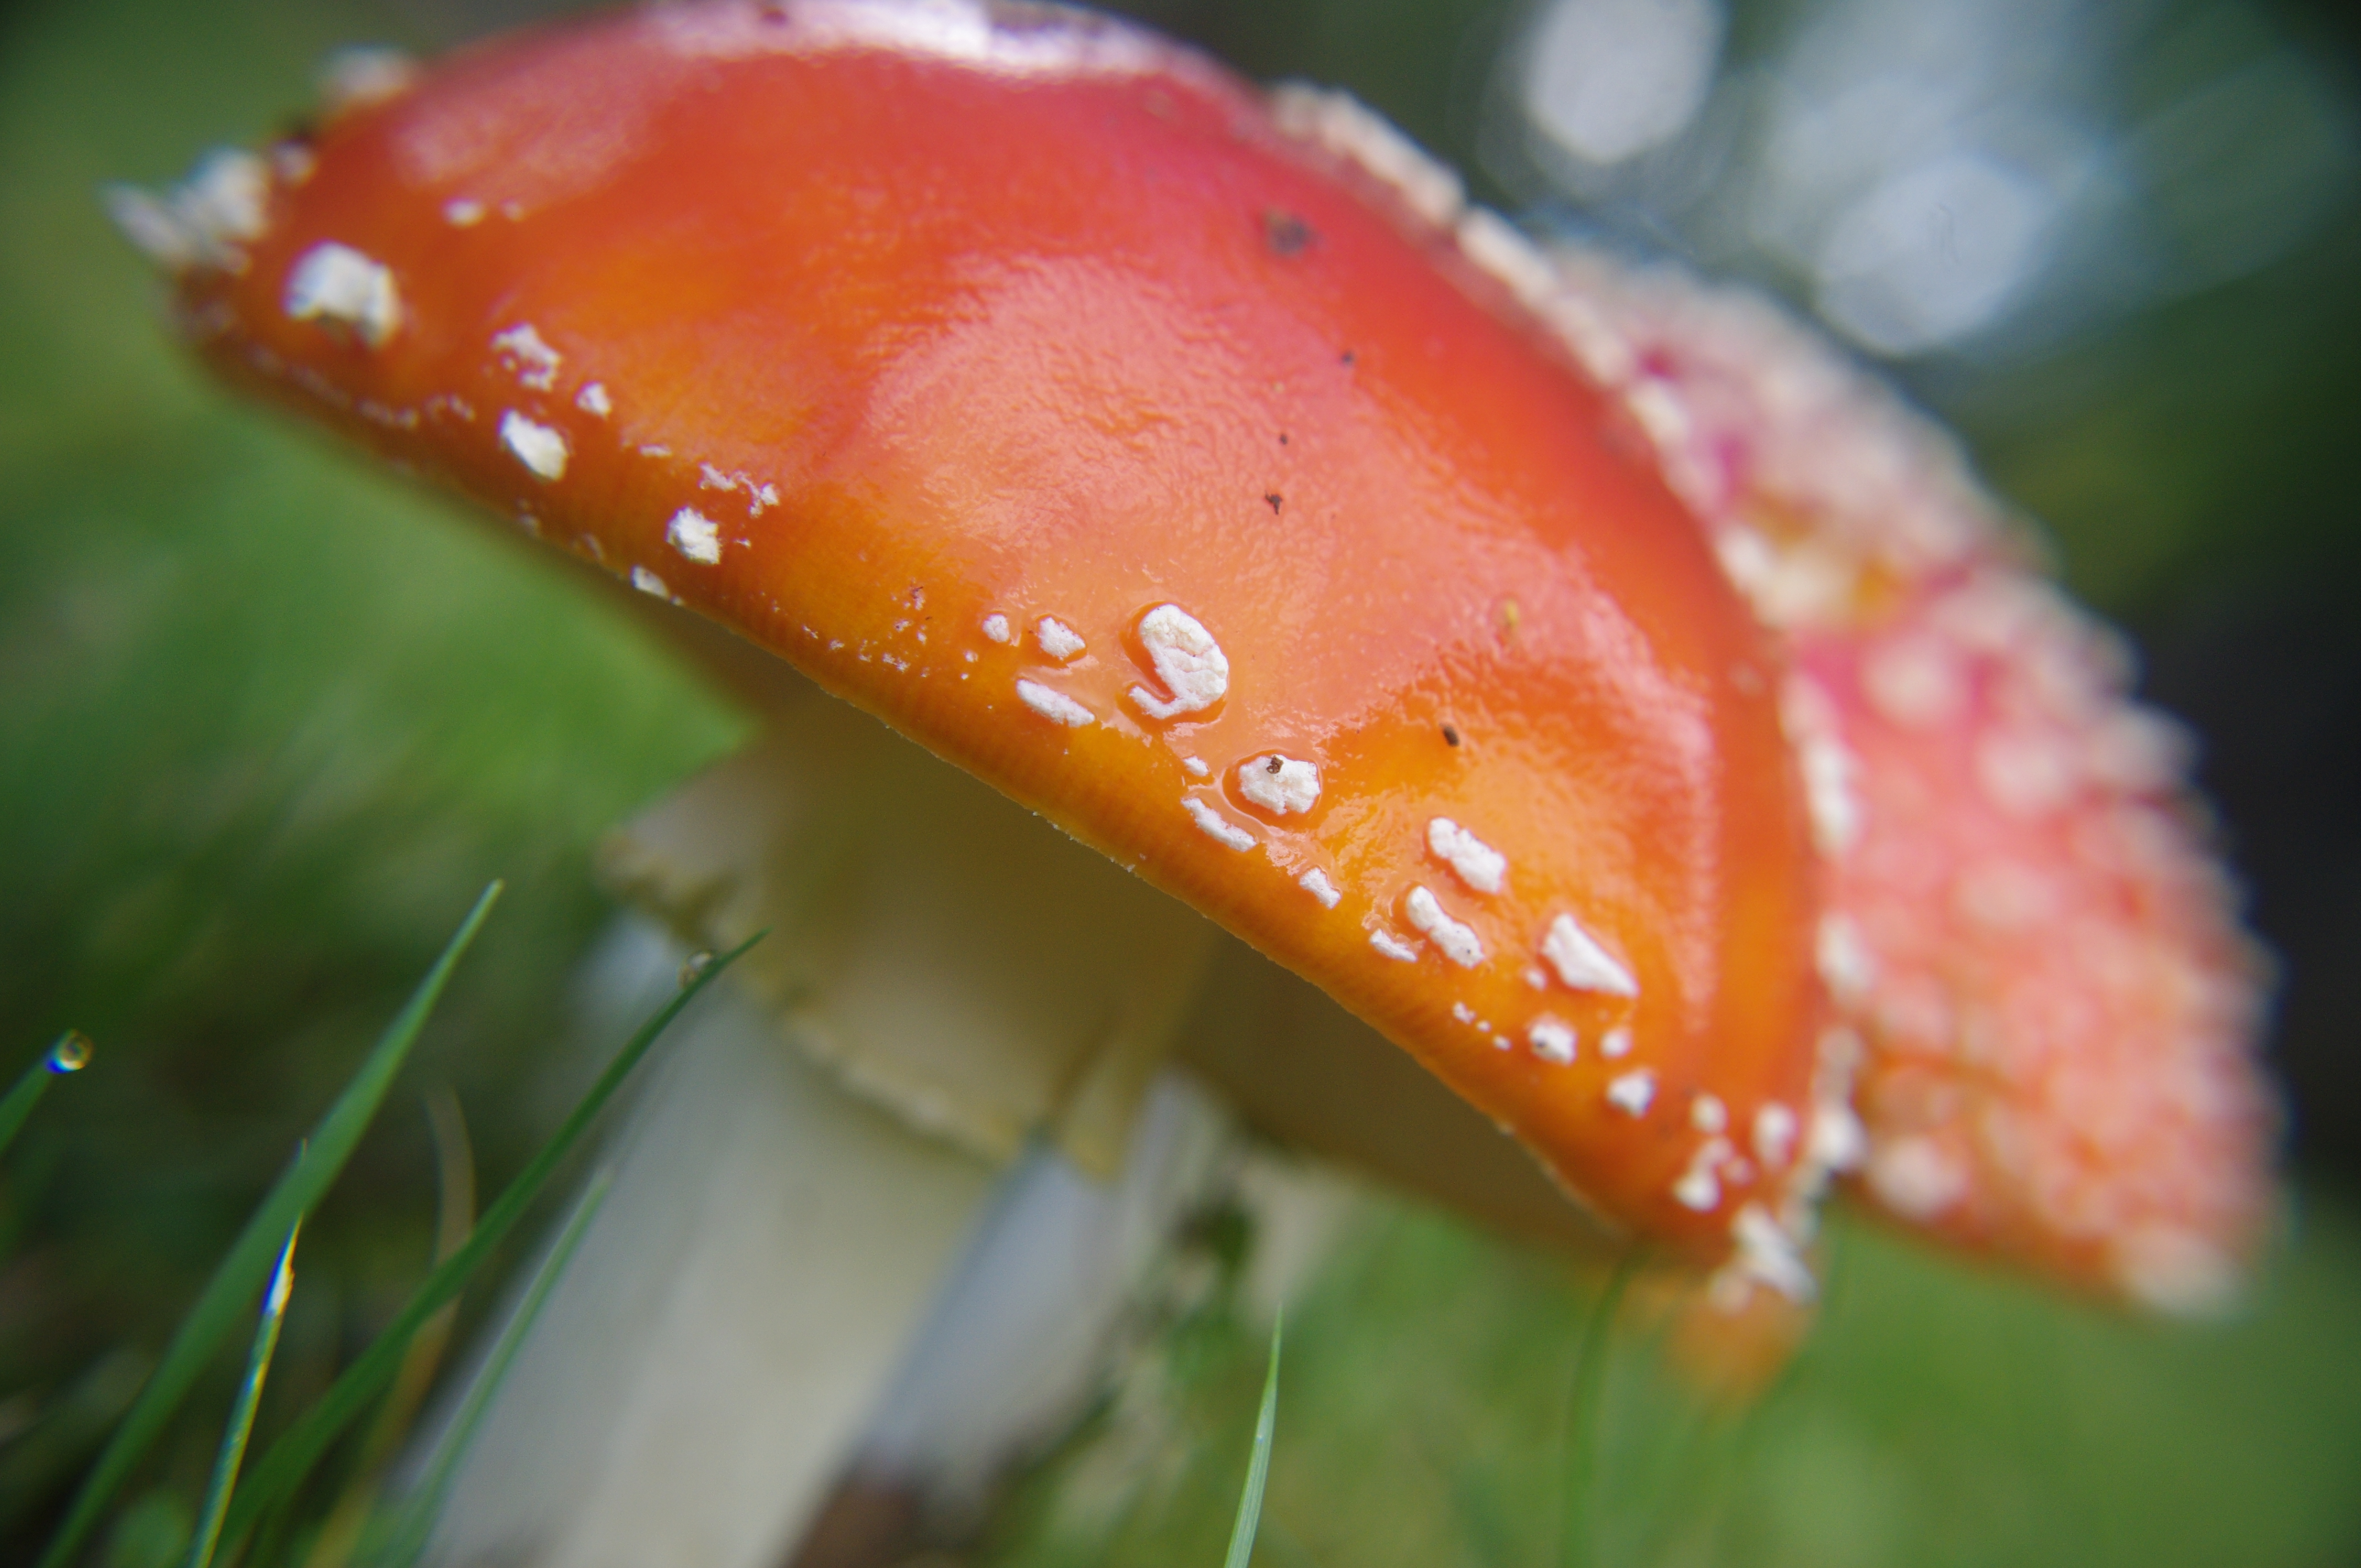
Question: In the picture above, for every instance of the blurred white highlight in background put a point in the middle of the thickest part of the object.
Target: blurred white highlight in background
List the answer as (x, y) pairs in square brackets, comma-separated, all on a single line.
[(1933, 252), (1990, 176), (1606, 78)]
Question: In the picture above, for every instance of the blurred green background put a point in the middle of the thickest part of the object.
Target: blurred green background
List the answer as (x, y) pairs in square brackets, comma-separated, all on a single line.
[(267, 722)]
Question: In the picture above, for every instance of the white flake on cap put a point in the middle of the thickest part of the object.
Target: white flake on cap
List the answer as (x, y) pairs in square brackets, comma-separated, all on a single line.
[(364, 74), (1812, 723), (1843, 958), (1553, 1041), (151, 226), (1500, 249), (1837, 1141), (1058, 639), (1708, 1114), (1054, 704), (694, 535), (1194, 766), (1775, 1134), (1829, 798), (1915, 681), (1478, 864), (463, 214), (1915, 1177), (2137, 752), (1187, 660), (647, 582), (207, 219), (1767, 1252), (1617, 1043), (336, 283), (2027, 772), (997, 628), (226, 199), (1582, 963), (1458, 943), (593, 399), (1699, 1187), (709, 477), (1633, 1092), (531, 360), (537, 447), (1393, 947), (1279, 784), (966, 31), (2007, 896), (1216, 826), (1336, 122), (1315, 882), (1792, 583)]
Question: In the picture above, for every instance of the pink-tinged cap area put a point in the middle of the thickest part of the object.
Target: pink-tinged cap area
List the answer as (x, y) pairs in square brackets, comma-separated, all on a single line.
[(2047, 1003), (1179, 460)]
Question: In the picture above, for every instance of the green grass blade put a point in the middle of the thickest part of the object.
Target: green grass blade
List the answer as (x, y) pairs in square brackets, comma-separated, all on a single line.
[(299, 1448), (1242, 1533), (425, 1505), (241, 1415), (71, 1054), (239, 1275), (1578, 1537)]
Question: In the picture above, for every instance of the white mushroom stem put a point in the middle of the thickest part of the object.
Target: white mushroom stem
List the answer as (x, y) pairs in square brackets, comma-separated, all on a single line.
[(787, 1282), (844, 1149), (897, 1179), (768, 1249)]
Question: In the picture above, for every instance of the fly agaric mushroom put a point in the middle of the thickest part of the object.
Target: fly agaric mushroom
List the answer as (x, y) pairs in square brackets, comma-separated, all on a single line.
[(1034, 385), (1581, 678)]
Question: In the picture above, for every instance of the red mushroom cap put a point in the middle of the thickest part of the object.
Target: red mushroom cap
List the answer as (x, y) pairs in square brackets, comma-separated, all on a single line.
[(1021, 379), (1191, 466)]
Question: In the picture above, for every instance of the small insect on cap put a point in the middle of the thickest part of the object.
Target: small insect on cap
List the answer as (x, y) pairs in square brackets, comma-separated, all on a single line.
[(1188, 463)]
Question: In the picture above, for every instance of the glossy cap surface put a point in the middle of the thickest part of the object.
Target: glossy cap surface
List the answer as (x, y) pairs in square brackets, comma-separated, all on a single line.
[(1025, 380)]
